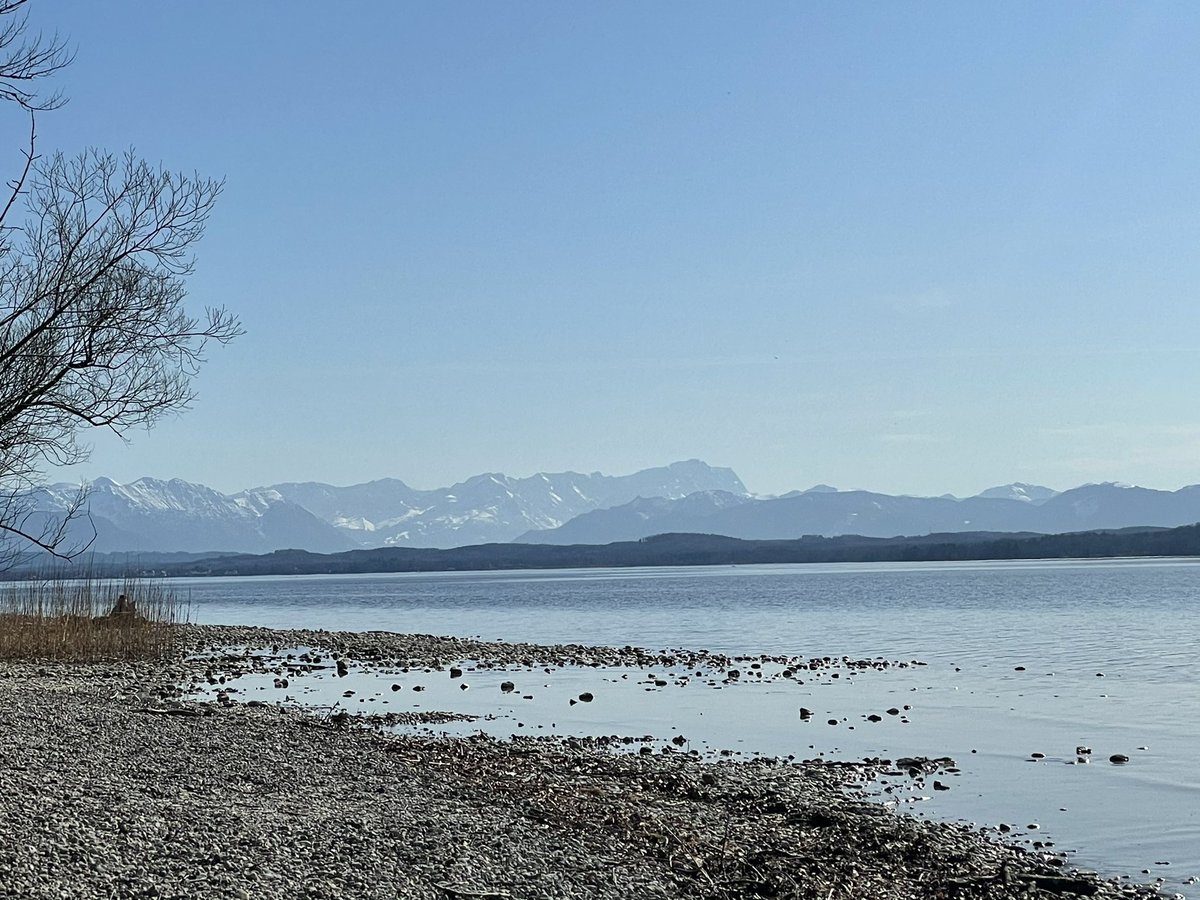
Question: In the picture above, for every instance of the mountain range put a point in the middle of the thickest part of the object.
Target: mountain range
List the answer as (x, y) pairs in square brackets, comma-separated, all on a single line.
[(149, 515), (1011, 508), (154, 515)]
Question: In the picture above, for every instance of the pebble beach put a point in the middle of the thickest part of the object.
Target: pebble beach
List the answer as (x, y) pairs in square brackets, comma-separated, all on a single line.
[(119, 782)]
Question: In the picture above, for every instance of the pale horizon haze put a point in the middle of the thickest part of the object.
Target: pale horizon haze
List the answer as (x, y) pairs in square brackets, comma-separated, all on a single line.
[(922, 248)]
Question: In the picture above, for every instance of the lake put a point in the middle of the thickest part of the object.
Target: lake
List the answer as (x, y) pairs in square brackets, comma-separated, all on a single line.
[(1019, 658)]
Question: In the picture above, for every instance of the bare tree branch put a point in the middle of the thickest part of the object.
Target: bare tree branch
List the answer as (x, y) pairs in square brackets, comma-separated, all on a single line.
[(33, 530), (26, 58), (17, 185), (94, 332)]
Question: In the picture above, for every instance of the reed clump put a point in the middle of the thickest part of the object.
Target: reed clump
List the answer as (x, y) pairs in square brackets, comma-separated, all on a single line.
[(88, 619)]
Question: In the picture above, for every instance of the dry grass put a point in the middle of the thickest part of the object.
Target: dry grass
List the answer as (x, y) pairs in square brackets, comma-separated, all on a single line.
[(59, 618)]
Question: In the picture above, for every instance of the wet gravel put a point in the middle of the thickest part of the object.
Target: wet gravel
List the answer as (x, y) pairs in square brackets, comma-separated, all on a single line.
[(117, 784)]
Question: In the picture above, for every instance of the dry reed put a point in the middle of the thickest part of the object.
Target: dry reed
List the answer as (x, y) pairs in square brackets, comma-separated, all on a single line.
[(55, 617)]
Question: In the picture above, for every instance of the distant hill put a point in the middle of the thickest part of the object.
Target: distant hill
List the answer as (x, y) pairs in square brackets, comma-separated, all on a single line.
[(1013, 508), (708, 549)]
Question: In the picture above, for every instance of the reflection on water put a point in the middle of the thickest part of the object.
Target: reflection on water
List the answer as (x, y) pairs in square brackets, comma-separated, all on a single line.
[(1106, 652)]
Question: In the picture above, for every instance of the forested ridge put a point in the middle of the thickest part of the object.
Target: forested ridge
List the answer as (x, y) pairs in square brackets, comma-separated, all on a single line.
[(697, 550)]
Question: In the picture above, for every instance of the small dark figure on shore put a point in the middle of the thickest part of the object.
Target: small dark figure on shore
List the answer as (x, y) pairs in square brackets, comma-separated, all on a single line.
[(123, 608)]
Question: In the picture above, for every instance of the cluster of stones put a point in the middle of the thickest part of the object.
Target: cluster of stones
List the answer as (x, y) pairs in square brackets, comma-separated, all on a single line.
[(114, 795)]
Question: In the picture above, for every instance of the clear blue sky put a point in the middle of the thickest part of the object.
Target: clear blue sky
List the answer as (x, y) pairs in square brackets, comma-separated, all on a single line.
[(907, 247)]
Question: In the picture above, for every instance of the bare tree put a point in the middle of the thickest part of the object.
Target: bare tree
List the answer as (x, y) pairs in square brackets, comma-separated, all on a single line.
[(93, 328), (26, 59)]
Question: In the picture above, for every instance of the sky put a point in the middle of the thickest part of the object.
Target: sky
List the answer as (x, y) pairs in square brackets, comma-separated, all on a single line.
[(915, 248)]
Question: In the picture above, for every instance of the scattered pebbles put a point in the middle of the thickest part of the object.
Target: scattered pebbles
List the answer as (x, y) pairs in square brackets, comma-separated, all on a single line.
[(105, 799)]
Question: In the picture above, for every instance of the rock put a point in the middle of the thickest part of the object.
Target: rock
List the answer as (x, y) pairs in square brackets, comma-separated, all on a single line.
[(507, 686), (455, 672), (1118, 759), (123, 608), (586, 697), (342, 668)]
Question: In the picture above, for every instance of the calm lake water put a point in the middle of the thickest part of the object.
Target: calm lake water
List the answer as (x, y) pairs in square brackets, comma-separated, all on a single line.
[(1109, 650)]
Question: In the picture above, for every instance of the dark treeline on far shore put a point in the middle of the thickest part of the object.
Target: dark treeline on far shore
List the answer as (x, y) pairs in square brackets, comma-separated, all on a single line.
[(671, 550)]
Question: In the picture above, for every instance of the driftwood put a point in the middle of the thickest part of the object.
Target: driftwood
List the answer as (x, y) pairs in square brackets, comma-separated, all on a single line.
[(456, 891)]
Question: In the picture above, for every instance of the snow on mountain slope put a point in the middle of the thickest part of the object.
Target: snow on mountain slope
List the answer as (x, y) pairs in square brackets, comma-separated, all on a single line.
[(1019, 490), (154, 515), (491, 507), (175, 515), (570, 507)]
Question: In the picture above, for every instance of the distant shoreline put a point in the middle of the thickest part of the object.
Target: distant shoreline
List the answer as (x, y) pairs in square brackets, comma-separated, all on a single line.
[(666, 550)]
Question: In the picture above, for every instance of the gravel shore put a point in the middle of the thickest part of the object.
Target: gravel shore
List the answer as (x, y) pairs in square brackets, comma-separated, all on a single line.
[(115, 786)]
